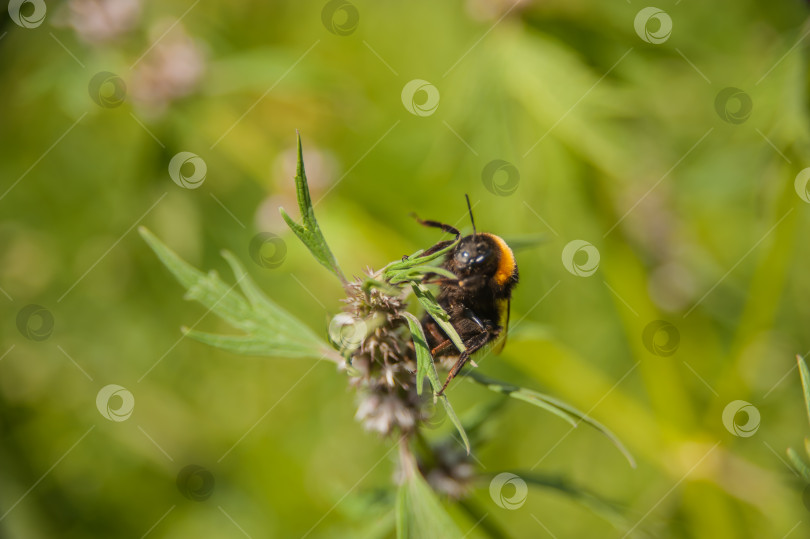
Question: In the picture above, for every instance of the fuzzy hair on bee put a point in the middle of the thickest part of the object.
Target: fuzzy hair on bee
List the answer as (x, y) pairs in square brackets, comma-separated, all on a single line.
[(478, 301)]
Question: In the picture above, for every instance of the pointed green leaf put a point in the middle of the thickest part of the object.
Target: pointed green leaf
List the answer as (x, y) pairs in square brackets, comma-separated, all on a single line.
[(551, 404), (420, 513), (426, 367), (805, 374), (799, 464), (438, 314), (309, 232), (268, 329), (455, 420)]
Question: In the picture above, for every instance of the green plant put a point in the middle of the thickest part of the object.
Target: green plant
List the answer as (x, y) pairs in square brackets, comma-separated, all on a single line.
[(382, 348), (793, 455)]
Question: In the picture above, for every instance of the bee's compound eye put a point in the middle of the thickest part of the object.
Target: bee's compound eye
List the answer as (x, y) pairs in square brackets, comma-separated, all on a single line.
[(463, 256)]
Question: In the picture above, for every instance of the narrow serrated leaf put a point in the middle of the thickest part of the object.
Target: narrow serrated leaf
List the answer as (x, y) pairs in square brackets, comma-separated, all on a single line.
[(438, 314), (426, 367), (798, 464), (420, 513), (805, 375), (268, 329), (455, 420), (551, 404), (308, 231)]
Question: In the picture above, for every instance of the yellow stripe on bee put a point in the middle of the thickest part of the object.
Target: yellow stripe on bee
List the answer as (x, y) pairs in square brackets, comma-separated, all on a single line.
[(506, 263)]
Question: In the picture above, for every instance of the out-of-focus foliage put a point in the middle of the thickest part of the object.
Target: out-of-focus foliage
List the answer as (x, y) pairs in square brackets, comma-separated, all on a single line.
[(688, 193)]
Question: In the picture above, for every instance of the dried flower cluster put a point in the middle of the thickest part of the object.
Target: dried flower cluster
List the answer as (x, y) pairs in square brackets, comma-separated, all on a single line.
[(373, 335)]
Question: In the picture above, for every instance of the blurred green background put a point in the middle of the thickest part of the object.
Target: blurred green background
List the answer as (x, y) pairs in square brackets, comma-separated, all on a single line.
[(616, 139)]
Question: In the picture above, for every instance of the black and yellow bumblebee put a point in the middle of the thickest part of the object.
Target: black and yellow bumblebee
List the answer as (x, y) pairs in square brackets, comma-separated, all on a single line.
[(478, 299)]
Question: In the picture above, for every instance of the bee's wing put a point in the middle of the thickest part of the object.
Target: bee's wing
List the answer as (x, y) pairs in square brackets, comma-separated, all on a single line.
[(502, 343)]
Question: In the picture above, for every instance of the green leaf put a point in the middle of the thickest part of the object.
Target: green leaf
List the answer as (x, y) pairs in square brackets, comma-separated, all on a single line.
[(309, 232), (553, 405), (438, 314), (805, 374), (799, 464), (607, 509), (268, 330), (420, 513), (455, 420), (426, 367)]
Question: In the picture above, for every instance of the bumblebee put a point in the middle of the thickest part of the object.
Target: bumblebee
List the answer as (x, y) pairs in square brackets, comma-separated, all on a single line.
[(478, 299)]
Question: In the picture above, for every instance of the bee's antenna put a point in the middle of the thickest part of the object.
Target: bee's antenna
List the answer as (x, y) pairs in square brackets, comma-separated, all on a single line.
[(469, 208)]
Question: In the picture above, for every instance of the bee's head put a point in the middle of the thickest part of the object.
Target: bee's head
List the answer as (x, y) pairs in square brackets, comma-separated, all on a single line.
[(476, 253)]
